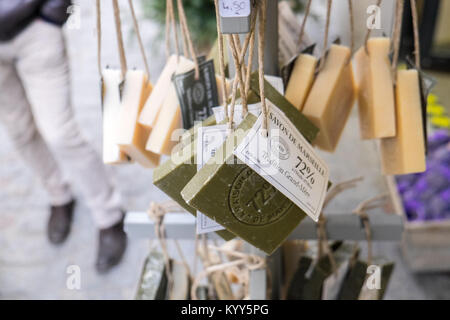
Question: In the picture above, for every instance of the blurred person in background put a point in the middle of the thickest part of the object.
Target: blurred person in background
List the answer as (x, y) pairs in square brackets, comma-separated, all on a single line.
[(36, 111)]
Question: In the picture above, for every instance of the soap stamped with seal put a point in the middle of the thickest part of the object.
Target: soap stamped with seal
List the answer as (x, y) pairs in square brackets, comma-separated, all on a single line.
[(286, 161), (254, 201)]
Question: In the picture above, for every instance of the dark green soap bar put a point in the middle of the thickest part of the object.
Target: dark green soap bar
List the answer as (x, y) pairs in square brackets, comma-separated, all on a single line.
[(386, 268), (240, 200), (299, 279), (171, 176), (153, 280)]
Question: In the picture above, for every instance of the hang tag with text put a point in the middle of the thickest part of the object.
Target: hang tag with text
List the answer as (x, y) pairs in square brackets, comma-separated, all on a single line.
[(286, 160), (208, 140), (197, 97)]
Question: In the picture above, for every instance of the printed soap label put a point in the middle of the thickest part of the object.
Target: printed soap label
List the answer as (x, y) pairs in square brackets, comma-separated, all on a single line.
[(197, 97), (208, 140), (287, 161)]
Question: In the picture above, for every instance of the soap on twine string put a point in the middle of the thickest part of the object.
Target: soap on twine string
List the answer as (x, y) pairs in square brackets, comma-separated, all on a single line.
[(361, 211), (248, 261), (156, 212), (321, 224), (238, 54)]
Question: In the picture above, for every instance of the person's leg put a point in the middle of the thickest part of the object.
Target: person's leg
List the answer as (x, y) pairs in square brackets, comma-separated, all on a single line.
[(16, 117), (43, 68)]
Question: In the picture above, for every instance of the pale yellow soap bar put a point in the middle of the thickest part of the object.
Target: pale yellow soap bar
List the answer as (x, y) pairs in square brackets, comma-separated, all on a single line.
[(405, 153), (375, 90), (331, 98), (163, 138), (132, 136), (111, 109), (301, 80), (150, 112)]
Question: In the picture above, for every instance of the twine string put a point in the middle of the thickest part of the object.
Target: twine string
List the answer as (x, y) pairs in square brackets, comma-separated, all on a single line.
[(123, 60), (138, 34), (187, 34), (415, 20), (302, 28), (397, 37), (99, 36), (369, 30), (352, 30), (261, 45), (325, 38)]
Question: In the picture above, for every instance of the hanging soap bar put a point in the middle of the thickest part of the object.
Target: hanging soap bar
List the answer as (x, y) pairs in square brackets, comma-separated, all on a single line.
[(111, 109), (375, 89), (181, 283), (153, 281), (171, 176), (131, 136), (156, 99), (301, 80), (331, 98), (405, 153), (369, 289)]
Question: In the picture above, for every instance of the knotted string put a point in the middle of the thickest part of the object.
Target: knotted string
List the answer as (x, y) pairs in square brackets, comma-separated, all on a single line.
[(248, 261), (361, 211), (321, 225), (156, 212)]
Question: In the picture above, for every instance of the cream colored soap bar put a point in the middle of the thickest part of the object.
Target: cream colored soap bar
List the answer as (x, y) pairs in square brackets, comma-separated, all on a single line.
[(111, 109), (405, 153), (375, 90), (301, 80), (156, 99), (132, 136), (162, 139), (331, 98)]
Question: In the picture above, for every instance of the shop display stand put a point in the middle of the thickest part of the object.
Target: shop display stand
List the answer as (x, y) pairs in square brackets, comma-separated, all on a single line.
[(348, 226)]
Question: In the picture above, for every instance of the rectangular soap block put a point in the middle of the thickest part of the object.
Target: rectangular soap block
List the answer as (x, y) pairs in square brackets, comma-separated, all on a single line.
[(156, 99), (240, 200), (153, 280), (132, 136), (368, 292), (405, 153), (301, 81), (375, 89), (172, 175), (181, 283), (331, 98), (111, 109)]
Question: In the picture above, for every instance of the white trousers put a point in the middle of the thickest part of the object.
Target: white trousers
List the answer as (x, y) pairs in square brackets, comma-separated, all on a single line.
[(36, 111)]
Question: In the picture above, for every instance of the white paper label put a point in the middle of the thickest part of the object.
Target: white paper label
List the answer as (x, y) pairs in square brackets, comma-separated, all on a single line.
[(209, 139), (234, 8), (287, 161)]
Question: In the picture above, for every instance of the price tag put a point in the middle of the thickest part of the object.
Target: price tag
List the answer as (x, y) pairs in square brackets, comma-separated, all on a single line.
[(287, 161), (235, 15), (208, 141)]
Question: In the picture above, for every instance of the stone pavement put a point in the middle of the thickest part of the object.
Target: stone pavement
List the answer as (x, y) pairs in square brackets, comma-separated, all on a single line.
[(30, 268)]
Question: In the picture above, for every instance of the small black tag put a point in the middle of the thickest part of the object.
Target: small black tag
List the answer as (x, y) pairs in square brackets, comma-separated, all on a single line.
[(197, 97)]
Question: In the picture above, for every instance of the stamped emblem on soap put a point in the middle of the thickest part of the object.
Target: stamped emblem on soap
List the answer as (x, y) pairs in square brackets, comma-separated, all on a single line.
[(254, 201)]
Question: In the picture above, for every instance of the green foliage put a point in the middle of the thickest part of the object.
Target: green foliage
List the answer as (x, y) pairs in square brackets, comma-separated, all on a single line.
[(201, 17)]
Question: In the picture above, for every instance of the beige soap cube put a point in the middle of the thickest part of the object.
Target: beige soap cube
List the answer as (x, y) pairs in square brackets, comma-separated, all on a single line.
[(162, 139), (301, 80), (375, 90), (111, 109), (150, 112), (405, 153), (132, 136), (331, 98)]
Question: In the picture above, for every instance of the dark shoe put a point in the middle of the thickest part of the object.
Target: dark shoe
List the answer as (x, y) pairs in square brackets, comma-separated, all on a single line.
[(111, 247), (60, 222)]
